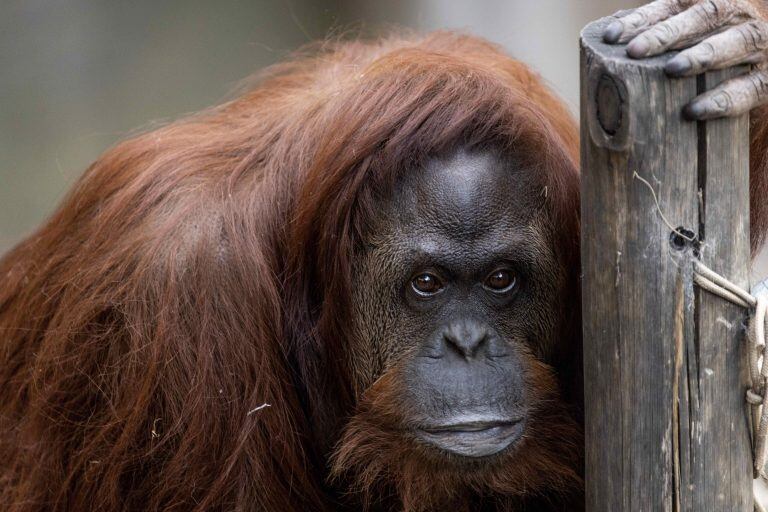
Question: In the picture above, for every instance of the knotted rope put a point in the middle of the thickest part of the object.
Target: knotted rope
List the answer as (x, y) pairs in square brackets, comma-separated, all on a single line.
[(714, 283)]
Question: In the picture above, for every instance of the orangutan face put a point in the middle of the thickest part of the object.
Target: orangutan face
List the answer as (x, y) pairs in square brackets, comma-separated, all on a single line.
[(453, 299)]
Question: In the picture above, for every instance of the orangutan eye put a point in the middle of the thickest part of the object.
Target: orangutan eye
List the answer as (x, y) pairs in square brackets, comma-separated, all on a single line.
[(426, 284), (501, 280)]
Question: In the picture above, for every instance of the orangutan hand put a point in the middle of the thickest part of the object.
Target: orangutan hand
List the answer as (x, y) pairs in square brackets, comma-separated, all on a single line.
[(716, 33)]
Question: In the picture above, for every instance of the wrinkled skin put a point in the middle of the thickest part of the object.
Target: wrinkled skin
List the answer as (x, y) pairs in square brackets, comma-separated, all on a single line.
[(460, 346), (713, 34)]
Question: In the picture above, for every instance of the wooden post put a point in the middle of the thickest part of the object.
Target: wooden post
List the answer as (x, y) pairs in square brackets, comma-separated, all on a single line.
[(664, 362)]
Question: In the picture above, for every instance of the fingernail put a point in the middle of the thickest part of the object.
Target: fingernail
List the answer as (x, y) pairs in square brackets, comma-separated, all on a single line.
[(678, 65), (714, 106), (613, 32), (693, 111), (638, 48)]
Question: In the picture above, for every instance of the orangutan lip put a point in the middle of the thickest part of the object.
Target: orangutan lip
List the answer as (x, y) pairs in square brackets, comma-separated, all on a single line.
[(472, 438), (470, 426)]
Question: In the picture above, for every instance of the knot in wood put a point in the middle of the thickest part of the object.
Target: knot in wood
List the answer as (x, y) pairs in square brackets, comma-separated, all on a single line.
[(609, 104)]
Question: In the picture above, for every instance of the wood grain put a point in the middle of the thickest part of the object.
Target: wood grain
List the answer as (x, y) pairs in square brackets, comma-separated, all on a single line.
[(664, 368)]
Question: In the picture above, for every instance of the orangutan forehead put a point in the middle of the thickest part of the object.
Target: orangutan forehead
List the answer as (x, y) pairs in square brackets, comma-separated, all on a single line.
[(468, 195)]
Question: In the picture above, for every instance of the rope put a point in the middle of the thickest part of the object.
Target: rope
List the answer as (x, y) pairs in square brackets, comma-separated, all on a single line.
[(714, 283)]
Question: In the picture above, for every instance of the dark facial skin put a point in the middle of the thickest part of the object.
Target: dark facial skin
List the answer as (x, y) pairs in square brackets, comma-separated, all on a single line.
[(454, 291)]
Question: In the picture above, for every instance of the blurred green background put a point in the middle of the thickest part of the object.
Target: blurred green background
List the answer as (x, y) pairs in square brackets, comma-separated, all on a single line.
[(77, 76)]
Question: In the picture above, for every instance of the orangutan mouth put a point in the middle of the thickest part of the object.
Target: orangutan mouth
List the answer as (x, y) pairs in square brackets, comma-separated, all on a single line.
[(473, 438)]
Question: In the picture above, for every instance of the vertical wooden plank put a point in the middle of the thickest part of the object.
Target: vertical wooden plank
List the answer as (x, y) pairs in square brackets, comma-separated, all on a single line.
[(665, 423), (720, 424)]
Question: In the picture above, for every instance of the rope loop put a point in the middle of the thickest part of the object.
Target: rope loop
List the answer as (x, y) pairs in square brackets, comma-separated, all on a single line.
[(713, 282), (753, 397)]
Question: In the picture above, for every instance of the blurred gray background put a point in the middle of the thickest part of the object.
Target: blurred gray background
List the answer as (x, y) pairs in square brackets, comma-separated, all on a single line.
[(78, 75)]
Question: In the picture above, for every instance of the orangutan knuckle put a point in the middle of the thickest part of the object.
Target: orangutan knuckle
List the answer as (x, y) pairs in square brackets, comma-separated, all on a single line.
[(711, 9), (704, 54), (722, 102), (666, 33), (705, 15), (670, 31), (753, 35), (680, 5), (759, 84), (636, 20)]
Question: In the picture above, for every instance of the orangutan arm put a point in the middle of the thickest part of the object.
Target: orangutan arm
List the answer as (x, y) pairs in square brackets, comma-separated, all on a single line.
[(758, 176)]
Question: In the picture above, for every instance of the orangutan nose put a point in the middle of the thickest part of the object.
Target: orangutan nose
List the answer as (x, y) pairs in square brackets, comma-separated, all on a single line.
[(467, 337)]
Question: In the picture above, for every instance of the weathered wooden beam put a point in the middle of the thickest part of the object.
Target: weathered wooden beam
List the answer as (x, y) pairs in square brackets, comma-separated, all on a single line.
[(664, 362)]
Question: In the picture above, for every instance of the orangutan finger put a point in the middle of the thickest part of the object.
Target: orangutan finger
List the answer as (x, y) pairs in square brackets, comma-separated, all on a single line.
[(744, 43), (628, 26), (730, 98), (678, 31)]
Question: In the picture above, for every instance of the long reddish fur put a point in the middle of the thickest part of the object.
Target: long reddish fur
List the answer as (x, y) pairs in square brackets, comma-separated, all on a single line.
[(201, 270)]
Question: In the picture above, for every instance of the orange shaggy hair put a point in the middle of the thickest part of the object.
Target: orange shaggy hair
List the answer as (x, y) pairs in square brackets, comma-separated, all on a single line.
[(201, 270)]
